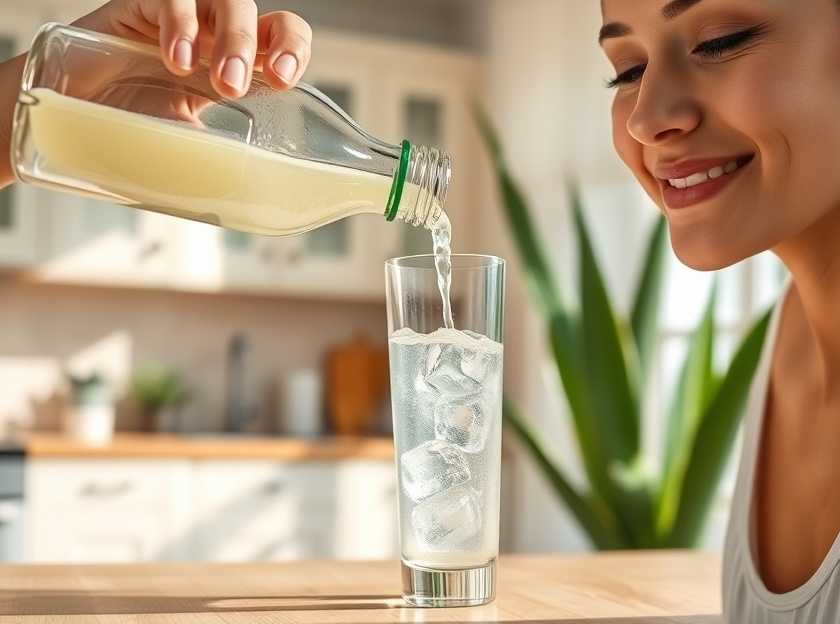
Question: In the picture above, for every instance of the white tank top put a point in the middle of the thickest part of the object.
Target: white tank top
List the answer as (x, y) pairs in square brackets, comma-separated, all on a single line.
[(746, 600)]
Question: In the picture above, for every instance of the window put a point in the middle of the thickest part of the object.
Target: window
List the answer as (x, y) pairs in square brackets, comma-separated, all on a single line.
[(332, 240), (745, 291), (423, 124)]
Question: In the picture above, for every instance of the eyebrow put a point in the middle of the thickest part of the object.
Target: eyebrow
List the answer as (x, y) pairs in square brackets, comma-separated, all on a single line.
[(669, 11)]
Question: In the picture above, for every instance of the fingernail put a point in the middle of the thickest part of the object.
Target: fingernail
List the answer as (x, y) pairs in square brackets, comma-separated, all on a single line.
[(286, 66), (234, 73), (183, 54)]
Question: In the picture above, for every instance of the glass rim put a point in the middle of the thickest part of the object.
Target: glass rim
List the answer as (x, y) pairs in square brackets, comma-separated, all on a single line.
[(484, 262)]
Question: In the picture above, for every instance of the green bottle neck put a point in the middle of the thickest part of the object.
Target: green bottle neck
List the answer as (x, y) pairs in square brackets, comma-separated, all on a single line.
[(421, 180)]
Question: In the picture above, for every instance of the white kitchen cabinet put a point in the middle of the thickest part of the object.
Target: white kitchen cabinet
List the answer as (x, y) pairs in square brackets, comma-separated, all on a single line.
[(394, 90), (250, 510), (331, 260), (94, 242), (431, 108), (92, 510), (107, 510)]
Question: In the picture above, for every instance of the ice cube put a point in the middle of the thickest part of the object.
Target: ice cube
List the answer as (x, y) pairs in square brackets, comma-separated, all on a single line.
[(432, 467), (463, 422), (448, 519), (451, 370)]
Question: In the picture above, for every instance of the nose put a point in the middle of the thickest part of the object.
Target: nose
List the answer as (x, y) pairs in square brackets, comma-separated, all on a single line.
[(665, 108)]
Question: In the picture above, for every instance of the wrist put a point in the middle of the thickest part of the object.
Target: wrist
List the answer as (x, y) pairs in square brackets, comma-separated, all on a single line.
[(10, 76)]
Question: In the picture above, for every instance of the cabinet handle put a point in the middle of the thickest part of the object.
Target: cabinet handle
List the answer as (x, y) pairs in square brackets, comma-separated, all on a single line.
[(273, 488), (149, 249), (105, 490)]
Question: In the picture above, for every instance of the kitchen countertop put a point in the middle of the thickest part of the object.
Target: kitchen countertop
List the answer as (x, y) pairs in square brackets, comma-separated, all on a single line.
[(210, 446), (671, 587)]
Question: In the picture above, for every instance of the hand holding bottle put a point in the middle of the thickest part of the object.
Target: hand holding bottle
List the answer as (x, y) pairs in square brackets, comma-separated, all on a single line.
[(229, 33)]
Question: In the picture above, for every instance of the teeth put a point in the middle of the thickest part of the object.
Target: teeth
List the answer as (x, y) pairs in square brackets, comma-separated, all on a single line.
[(698, 178)]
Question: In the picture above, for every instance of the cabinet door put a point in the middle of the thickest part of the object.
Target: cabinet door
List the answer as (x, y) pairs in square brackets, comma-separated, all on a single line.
[(261, 510), (366, 526), (19, 204), (432, 109), (333, 260), (90, 511), (95, 242)]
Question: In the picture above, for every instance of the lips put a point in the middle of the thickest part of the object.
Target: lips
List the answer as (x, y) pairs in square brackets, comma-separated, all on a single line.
[(686, 168), (691, 182)]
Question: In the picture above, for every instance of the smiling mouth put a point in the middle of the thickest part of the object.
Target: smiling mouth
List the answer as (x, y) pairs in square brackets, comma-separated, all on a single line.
[(703, 177), (699, 185)]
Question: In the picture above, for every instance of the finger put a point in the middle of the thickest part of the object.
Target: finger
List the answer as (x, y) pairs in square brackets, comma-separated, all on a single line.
[(288, 47), (178, 35), (235, 47)]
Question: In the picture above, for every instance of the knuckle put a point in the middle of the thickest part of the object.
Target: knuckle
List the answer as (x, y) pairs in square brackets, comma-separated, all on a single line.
[(242, 39), (184, 18), (247, 8), (293, 22)]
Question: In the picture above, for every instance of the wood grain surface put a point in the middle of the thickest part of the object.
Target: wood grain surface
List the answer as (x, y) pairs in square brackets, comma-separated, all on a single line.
[(670, 587), (151, 445)]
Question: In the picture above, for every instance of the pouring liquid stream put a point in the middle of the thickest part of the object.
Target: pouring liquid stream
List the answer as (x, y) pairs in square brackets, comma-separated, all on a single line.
[(442, 242)]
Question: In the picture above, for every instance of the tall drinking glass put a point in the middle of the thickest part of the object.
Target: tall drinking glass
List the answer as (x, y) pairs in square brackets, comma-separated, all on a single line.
[(446, 392)]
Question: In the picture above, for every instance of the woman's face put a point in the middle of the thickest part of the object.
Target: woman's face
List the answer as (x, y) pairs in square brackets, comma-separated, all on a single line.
[(728, 114)]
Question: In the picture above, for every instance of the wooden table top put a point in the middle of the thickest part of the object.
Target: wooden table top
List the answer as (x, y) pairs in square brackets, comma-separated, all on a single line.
[(673, 587), (168, 446)]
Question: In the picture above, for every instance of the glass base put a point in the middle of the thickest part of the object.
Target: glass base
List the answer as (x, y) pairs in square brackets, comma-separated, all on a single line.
[(454, 587)]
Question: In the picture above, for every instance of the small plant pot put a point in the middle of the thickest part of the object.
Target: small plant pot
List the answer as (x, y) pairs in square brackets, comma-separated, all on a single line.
[(91, 424)]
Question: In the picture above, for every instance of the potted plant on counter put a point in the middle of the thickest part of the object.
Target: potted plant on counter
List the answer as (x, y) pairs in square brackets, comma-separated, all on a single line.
[(90, 417), (159, 395)]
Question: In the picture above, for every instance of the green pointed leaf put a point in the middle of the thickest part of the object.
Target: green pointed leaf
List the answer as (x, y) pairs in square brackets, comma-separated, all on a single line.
[(714, 439), (562, 326), (535, 265), (596, 519), (563, 335), (634, 496), (614, 395), (686, 411), (648, 300)]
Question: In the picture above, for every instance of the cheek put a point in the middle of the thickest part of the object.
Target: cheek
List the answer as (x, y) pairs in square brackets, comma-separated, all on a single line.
[(787, 108), (629, 149)]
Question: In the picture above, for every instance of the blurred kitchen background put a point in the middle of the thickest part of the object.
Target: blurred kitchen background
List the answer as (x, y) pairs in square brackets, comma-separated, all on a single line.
[(249, 375)]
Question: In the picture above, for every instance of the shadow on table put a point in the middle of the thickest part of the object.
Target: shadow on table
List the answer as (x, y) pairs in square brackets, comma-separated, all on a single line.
[(38, 603), (86, 603)]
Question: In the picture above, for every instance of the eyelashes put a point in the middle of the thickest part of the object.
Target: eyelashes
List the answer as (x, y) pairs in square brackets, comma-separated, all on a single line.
[(715, 48), (711, 49)]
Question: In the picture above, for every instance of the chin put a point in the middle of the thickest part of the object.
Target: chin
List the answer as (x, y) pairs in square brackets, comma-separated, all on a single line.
[(705, 252)]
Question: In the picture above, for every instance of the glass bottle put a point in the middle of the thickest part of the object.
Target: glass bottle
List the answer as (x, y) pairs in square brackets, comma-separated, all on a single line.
[(101, 116)]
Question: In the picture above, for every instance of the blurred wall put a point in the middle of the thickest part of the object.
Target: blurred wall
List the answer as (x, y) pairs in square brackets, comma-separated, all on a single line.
[(45, 327), (445, 22), (545, 76)]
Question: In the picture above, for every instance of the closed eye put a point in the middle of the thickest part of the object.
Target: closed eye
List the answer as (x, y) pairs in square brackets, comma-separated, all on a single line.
[(715, 48), (626, 77), (710, 49)]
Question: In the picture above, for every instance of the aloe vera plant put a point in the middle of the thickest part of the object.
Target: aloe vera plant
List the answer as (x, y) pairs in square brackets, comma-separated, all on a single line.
[(603, 363)]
